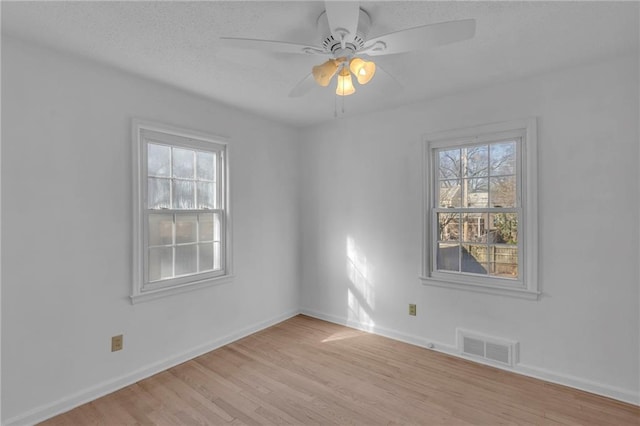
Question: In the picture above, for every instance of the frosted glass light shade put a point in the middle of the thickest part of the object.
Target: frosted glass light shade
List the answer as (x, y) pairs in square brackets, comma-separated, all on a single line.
[(363, 70), (345, 85), (324, 73)]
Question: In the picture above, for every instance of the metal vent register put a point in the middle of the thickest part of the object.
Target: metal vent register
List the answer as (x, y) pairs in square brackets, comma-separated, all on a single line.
[(486, 348)]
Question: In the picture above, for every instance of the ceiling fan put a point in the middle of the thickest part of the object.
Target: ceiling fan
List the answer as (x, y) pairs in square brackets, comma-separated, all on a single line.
[(344, 28)]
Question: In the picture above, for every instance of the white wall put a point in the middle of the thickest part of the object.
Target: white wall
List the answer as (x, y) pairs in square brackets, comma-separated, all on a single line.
[(362, 181), (67, 223)]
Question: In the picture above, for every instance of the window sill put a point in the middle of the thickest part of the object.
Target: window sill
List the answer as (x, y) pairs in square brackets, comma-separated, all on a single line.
[(519, 293), (149, 295)]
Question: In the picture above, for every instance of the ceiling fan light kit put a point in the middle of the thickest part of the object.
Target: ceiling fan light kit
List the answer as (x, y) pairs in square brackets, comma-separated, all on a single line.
[(343, 28), (324, 73), (345, 84), (363, 70)]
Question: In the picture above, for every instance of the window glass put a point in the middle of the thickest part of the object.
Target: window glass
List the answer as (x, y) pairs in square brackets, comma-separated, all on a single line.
[(183, 163), (205, 165), (477, 188), (159, 157)]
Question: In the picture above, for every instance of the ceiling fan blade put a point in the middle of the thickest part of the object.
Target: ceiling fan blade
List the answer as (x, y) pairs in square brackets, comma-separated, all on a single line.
[(303, 87), (270, 46), (343, 18), (421, 37)]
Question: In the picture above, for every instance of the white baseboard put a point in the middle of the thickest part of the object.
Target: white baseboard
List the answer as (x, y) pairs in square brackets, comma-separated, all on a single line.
[(620, 394), (69, 402), (586, 385)]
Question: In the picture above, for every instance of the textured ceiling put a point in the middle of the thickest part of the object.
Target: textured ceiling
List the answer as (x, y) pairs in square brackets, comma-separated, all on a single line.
[(178, 43)]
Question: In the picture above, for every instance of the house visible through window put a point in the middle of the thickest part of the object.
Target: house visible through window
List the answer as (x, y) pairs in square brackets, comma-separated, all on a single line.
[(181, 212), (478, 204)]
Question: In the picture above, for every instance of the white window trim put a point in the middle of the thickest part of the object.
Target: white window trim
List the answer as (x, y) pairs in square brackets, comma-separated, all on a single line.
[(138, 293), (528, 286)]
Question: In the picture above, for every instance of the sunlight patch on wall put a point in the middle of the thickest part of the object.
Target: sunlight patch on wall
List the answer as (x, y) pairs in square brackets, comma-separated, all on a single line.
[(360, 293)]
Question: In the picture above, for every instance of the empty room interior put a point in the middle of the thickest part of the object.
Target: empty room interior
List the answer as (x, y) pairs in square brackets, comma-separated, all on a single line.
[(309, 212)]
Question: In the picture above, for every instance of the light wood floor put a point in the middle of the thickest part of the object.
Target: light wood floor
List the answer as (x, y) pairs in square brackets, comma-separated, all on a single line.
[(307, 371)]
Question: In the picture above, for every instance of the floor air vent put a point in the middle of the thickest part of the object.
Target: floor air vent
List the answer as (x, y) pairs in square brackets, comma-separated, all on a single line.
[(491, 349)]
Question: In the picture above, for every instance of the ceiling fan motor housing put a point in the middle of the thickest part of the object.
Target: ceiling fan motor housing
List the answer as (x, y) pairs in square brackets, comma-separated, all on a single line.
[(354, 42)]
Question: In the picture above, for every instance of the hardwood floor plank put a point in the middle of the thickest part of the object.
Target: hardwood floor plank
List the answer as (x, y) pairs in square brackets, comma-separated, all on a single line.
[(308, 371)]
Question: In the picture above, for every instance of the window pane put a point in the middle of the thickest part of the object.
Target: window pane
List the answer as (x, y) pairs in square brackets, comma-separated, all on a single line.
[(448, 226), (206, 195), (475, 204), (503, 158), (449, 193), (186, 259), (475, 192), (205, 165), (476, 161), (474, 259), (183, 163), (448, 257), (449, 164), (216, 227), (205, 227), (503, 261), (158, 160), (503, 191), (474, 227), (206, 256), (160, 229), (504, 228), (216, 257), (186, 229), (183, 194), (158, 193), (160, 263)]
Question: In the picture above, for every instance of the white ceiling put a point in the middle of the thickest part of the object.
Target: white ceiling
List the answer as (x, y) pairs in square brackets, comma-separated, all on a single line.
[(178, 43)]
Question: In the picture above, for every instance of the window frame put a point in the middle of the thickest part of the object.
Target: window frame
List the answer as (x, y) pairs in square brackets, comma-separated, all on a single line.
[(145, 132), (526, 286)]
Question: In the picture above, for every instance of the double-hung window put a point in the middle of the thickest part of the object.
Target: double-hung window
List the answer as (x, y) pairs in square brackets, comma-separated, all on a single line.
[(181, 211), (480, 209)]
